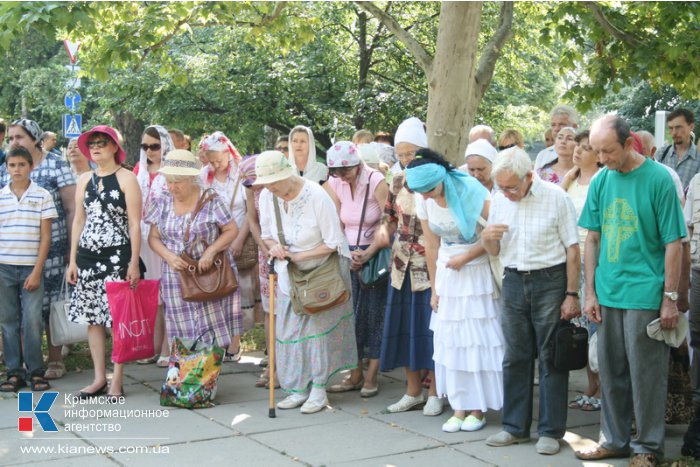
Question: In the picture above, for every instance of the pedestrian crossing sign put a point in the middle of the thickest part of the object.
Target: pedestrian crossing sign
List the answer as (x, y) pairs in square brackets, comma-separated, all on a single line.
[(72, 125)]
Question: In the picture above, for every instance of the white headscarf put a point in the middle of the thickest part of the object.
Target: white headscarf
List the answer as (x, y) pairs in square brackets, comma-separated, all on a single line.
[(411, 131), (314, 171), (158, 186)]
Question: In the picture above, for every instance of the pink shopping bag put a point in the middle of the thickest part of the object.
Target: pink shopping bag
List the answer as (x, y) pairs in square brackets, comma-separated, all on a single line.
[(133, 319)]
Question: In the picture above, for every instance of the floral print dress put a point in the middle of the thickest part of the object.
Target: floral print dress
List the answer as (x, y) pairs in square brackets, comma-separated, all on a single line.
[(104, 250)]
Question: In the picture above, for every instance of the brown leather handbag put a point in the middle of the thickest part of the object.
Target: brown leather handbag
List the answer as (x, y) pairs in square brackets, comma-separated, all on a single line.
[(218, 281)]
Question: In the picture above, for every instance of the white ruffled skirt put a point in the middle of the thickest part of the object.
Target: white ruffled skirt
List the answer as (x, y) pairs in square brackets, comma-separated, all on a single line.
[(468, 341)]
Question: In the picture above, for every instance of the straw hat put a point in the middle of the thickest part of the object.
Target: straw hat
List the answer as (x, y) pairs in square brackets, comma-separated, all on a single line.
[(180, 162), (271, 167)]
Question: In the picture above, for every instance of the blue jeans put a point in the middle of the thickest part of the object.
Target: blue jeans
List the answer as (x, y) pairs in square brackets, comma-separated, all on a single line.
[(20, 310), (531, 313)]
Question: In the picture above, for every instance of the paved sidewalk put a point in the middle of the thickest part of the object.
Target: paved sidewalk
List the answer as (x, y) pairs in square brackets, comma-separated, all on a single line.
[(352, 432)]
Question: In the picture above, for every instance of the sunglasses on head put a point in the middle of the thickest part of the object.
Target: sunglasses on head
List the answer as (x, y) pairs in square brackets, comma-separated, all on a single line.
[(152, 147)]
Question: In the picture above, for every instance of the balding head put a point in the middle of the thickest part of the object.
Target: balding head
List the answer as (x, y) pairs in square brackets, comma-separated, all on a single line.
[(611, 138), (482, 132), (648, 144)]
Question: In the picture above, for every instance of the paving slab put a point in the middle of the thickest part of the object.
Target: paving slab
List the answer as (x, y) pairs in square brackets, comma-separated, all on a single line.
[(252, 417), (23, 448), (95, 460), (236, 450), (436, 456), (351, 440)]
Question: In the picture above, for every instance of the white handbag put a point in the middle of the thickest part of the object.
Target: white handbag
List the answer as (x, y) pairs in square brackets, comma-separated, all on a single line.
[(496, 266), (64, 331)]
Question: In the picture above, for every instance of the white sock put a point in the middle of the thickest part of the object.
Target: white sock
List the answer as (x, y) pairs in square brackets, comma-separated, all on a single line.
[(317, 394)]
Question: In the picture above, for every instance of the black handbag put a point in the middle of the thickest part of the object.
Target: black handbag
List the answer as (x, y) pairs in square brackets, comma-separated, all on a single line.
[(570, 346)]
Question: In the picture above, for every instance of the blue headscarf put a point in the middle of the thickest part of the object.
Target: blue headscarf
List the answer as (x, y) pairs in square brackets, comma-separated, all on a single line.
[(465, 195)]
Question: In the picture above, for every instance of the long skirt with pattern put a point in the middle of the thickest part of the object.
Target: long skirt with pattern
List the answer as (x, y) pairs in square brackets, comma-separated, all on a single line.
[(407, 340), (468, 340), (369, 306), (311, 349)]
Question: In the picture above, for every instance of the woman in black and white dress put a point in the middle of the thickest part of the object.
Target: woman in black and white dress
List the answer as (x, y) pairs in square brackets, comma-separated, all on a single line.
[(105, 246)]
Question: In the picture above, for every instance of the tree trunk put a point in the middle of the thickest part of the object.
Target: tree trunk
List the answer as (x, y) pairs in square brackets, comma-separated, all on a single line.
[(452, 102), (131, 129), (363, 69)]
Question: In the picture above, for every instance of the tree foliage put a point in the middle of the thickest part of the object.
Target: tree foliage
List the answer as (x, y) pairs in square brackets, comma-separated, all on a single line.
[(608, 45)]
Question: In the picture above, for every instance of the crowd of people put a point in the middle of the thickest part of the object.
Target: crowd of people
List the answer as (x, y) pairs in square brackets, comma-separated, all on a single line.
[(483, 261)]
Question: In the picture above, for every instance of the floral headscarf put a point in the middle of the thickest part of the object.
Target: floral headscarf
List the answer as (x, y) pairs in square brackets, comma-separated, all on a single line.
[(218, 141), (158, 185)]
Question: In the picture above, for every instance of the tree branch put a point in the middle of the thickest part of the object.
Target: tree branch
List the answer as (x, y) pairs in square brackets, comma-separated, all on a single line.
[(492, 50), (609, 27), (425, 61)]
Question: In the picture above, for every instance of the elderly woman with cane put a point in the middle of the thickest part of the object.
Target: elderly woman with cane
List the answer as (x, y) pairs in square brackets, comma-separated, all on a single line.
[(301, 228)]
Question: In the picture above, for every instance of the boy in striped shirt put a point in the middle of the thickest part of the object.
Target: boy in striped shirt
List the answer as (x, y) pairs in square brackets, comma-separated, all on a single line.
[(26, 211)]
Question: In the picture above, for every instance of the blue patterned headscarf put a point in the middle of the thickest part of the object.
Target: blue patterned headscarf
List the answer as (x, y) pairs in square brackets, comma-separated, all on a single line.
[(465, 195)]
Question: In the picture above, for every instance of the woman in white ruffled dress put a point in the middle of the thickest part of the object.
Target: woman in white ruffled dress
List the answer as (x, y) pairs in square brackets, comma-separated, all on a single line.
[(468, 341)]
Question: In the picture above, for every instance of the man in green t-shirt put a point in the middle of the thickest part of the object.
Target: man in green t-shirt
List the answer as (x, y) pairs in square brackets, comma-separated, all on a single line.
[(632, 265)]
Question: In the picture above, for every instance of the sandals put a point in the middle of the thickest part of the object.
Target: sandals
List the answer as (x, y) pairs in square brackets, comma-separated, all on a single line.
[(234, 357), (55, 370), (163, 362), (39, 383), (264, 382), (347, 385), (592, 404), (13, 384), (578, 402)]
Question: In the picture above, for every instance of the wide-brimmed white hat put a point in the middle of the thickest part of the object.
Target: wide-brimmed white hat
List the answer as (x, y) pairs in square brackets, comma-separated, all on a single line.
[(180, 162), (271, 167)]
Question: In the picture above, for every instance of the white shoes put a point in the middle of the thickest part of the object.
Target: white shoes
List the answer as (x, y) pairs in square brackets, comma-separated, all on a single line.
[(406, 403), (452, 425), (292, 401), (471, 423), (312, 406), (433, 407)]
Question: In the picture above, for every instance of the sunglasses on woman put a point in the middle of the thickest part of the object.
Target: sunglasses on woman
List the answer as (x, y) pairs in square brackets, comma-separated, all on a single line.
[(152, 147), (507, 146), (99, 143)]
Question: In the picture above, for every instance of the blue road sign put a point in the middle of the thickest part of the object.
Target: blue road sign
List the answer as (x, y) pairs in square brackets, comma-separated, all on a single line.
[(72, 100), (72, 125)]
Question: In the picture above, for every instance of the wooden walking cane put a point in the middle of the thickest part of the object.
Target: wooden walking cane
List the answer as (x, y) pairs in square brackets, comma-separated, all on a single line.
[(271, 338)]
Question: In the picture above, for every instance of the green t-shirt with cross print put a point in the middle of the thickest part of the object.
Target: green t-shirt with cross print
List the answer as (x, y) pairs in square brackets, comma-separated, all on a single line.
[(637, 213)]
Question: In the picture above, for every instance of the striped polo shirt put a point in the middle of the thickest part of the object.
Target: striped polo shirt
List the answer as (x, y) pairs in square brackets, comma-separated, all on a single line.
[(20, 223)]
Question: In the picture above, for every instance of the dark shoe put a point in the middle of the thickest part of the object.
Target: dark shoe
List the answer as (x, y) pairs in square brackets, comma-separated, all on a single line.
[(100, 391), (39, 383), (13, 384)]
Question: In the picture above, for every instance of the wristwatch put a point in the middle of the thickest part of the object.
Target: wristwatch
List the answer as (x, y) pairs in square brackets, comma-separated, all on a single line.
[(572, 294), (673, 296)]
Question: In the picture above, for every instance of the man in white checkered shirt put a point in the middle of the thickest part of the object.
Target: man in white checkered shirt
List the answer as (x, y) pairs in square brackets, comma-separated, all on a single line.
[(532, 227)]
